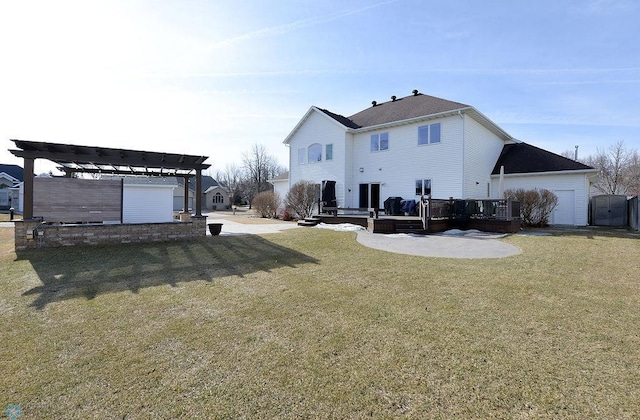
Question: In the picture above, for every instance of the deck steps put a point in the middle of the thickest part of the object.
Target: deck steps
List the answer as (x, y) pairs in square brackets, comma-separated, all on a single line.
[(409, 226), (309, 222)]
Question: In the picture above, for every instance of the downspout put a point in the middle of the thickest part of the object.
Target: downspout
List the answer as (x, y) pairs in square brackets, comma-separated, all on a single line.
[(463, 154)]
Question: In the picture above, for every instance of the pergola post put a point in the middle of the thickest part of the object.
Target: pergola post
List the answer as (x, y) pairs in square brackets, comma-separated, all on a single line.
[(27, 211), (185, 205), (198, 192)]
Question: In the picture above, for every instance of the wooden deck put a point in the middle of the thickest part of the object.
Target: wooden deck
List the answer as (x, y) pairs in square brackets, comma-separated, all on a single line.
[(413, 224)]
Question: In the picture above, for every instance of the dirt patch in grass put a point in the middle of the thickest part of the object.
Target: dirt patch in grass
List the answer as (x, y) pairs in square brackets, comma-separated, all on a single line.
[(308, 323), (253, 220)]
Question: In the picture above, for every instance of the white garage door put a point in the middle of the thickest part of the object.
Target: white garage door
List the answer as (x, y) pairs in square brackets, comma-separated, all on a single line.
[(564, 213)]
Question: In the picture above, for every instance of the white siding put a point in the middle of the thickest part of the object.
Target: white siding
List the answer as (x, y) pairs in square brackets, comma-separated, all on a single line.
[(398, 168), (558, 182), (147, 204), (320, 129), (281, 187), (481, 151)]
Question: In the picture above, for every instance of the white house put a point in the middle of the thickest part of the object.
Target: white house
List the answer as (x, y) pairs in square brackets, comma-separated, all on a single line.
[(421, 145), (10, 179), (214, 195), (280, 185)]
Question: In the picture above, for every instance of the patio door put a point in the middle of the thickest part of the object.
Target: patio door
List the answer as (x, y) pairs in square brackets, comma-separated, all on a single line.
[(369, 195)]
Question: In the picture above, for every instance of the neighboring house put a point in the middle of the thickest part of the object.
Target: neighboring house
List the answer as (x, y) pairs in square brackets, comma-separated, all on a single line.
[(280, 185), (215, 195), (10, 178), (423, 145)]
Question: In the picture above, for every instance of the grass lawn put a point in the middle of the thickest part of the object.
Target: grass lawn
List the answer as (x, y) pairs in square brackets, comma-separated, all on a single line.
[(309, 324), (6, 217)]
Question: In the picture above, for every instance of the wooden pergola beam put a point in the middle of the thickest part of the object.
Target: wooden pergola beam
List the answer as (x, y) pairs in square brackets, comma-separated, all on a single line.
[(74, 158)]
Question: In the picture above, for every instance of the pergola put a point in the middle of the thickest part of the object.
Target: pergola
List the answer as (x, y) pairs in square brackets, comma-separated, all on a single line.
[(102, 160)]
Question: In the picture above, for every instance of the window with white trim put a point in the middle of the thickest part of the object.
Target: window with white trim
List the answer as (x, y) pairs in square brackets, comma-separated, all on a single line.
[(315, 153), (379, 142), (328, 153), (429, 134), (218, 198), (423, 187)]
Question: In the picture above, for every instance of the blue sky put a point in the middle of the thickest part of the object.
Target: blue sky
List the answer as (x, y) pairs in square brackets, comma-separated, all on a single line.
[(214, 77)]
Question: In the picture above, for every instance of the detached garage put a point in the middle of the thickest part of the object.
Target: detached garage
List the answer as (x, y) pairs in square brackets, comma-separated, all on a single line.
[(529, 167)]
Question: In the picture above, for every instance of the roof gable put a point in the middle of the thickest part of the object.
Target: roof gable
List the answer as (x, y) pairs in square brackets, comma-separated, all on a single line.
[(207, 182), (341, 119), (13, 171), (330, 116), (520, 158), (400, 111)]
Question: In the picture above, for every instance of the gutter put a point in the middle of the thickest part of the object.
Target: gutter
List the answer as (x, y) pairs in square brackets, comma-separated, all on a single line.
[(546, 173)]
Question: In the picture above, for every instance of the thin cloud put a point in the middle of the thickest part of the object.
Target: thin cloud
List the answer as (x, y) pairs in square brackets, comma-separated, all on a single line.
[(288, 27), (478, 71)]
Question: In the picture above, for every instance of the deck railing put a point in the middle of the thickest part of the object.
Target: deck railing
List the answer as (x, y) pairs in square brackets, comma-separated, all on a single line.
[(456, 209)]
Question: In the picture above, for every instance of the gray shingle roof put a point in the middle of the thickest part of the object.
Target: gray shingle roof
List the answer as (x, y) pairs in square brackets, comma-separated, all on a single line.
[(404, 109), (522, 158), (207, 182), (13, 170), (401, 109)]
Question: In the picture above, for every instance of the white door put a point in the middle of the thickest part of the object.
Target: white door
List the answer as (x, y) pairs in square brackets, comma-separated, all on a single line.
[(564, 213)]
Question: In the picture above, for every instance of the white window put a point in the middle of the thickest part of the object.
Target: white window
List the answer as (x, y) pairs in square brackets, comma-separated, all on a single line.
[(301, 156), (328, 154), (423, 187), (218, 198), (379, 142), (429, 134), (315, 153)]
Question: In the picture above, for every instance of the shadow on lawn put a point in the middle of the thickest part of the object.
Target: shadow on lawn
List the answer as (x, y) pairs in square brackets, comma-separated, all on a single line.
[(69, 273)]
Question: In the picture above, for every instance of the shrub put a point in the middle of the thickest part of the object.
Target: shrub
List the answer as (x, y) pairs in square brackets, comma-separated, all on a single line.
[(302, 197), (266, 204), (535, 205), (286, 215)]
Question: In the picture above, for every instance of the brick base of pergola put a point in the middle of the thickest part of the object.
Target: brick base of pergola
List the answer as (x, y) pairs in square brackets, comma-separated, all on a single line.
[(32, 234)]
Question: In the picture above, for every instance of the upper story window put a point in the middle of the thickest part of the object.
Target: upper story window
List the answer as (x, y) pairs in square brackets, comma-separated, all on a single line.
[(328, 154), (315, 153), (301, 156), (379, 142), (429, 134)]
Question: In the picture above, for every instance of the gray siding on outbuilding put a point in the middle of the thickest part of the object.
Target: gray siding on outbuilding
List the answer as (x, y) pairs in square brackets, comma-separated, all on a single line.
[(72, 200)]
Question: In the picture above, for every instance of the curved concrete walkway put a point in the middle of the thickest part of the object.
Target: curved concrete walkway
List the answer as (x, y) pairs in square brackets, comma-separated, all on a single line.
[(471, 244), (453, 244)]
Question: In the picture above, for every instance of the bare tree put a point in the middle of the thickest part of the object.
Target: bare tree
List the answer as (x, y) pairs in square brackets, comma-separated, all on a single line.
[(231, 179), (611, 165), (631, 174), (571, 154), (259, 166)]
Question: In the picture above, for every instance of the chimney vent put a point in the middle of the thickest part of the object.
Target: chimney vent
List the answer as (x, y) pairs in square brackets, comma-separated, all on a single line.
[(374, 103), (415, 92), (393, 98)]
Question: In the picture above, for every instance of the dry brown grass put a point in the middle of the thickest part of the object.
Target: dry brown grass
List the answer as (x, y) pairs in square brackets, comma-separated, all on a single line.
[(308, 323)]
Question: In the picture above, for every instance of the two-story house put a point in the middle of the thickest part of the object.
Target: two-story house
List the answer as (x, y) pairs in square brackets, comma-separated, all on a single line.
[(423, 145)]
